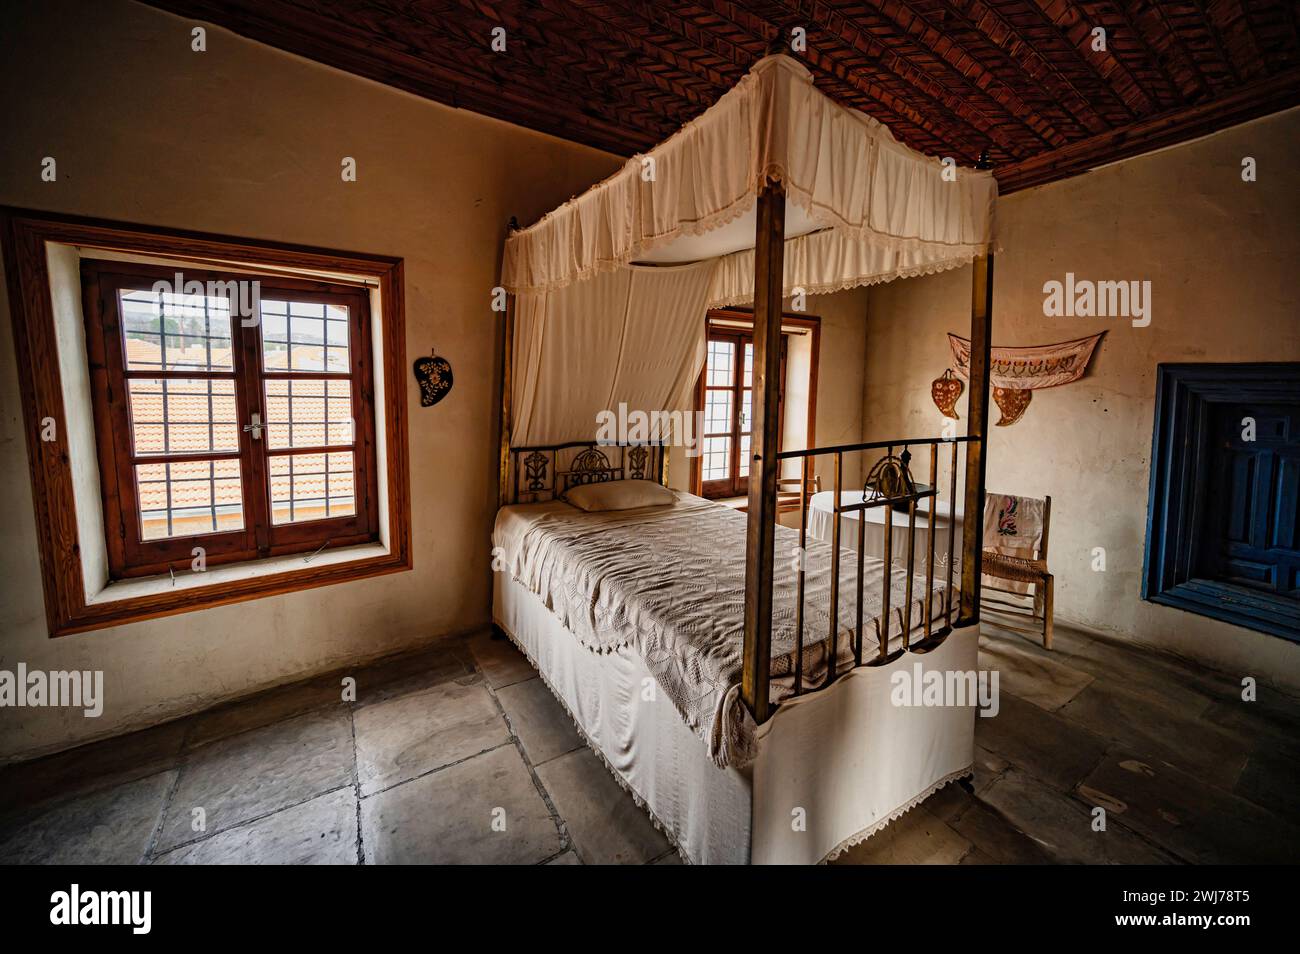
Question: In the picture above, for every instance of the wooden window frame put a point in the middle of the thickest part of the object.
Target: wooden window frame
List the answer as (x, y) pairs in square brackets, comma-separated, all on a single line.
[(130, 555), (735, 485), (25, 235), (728, 321)]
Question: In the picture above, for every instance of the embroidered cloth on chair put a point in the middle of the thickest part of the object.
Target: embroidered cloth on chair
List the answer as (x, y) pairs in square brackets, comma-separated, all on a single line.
[(1013, 526)]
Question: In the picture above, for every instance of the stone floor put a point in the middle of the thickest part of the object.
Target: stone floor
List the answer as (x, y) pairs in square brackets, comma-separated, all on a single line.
[(460, 754)]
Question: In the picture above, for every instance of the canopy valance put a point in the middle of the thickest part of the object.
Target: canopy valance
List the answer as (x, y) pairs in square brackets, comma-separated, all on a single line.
[(890, 211)]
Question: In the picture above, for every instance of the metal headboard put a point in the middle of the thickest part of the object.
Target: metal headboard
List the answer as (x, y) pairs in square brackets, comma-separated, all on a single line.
[(546, 471)]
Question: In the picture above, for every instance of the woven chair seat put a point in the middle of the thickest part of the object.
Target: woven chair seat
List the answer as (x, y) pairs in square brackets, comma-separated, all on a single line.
[(1020, 569)]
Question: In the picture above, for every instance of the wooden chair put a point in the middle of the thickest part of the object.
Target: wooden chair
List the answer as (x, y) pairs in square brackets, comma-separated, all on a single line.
[(1028, 568), (787, 491)]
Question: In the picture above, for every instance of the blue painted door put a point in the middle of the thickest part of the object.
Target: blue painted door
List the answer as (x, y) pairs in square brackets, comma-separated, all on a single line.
[(1252, 524)]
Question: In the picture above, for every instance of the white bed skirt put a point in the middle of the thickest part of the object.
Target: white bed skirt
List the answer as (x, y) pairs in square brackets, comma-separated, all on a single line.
[(832, 768)]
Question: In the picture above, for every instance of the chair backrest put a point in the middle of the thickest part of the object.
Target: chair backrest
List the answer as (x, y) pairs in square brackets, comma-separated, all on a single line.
[(1017, 523)]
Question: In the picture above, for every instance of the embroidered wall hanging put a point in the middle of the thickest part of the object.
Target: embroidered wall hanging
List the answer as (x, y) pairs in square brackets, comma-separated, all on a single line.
[(1016, 373), (945, 390)]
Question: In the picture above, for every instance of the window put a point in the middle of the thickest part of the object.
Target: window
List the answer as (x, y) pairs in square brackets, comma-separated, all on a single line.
[(246, 436), (160, 419), (728, 411), (725, 397), (1223, 538)]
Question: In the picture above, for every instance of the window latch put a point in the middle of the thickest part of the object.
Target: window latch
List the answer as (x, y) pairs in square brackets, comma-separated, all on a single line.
[(255, 427)]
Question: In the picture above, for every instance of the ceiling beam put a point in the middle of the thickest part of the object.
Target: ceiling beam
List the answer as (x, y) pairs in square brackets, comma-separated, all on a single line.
[(1269, 95)]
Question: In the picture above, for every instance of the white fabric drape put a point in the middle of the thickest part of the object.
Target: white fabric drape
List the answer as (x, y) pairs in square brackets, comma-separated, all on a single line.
[(634, 337), (842, 167), (832, 260)]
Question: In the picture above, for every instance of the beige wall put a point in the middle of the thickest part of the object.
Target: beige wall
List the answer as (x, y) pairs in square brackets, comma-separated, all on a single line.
[(1223, 257), (244, 140)]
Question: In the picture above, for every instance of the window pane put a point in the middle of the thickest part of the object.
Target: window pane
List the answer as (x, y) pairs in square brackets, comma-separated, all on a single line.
[(304, 336), (743, 468), (717, 458), (167, 332), (746, 411), (308, 412), (312, 487), (749, 364), (182, 415), (188, 498), (717, 412), (722, 357)]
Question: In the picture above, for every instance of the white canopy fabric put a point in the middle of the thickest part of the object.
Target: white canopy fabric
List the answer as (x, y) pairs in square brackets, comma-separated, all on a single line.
[(861, 209), (633, 337)]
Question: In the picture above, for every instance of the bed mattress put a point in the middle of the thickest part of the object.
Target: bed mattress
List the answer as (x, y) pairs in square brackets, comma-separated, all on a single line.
[(668, 584)]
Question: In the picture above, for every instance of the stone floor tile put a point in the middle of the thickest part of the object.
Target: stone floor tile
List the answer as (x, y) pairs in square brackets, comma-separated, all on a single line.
[(988, 766), (1144, 726), (1062, 825), (93, 766), (1178, 685), (110, 826), (1198, 822), (498, 659), (543, 725), (996, 839), (916, 838), (604, 822), (1030, 673), (1272, 713), (410, 735), (263, 709), (1271, 778), (322, 831), (412, 672), (243, 777), (1043, 743), (447, 817)]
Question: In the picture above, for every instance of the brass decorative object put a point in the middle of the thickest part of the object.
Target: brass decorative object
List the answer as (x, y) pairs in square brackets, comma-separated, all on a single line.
[(889, 478), (945, 390), (434, 376)]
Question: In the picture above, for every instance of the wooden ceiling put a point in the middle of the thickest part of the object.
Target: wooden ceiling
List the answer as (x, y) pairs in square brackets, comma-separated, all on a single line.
[(1019, 78)]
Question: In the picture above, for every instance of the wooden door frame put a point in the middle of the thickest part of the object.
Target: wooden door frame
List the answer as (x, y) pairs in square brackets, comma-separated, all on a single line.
[(812, 323)]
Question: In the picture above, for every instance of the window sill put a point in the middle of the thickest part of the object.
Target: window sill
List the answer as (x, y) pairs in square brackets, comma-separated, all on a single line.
[(127, 601), (190, 582), (1238, 605)]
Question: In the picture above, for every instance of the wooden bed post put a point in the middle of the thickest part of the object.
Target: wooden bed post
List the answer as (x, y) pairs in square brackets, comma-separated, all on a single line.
[(507, 357), (769, 258), (977, 415)]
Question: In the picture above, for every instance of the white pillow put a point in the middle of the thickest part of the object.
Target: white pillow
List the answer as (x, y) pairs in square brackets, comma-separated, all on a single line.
[(619, 495)]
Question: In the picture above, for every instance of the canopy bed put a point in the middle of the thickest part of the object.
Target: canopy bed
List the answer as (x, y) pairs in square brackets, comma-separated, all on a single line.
[(734, 674)]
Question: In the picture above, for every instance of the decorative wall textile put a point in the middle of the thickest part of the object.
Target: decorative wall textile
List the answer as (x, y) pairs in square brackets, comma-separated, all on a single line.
[(1031, 368), (843, 168), (635, 337), (1015, 373), (945, 390)]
